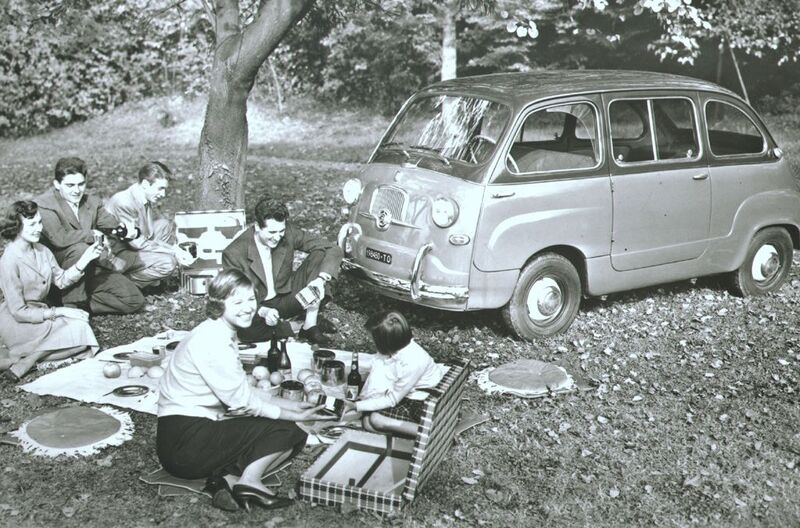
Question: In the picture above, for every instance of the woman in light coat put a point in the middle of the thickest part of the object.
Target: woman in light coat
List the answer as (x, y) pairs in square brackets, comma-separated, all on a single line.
[(31, 329)]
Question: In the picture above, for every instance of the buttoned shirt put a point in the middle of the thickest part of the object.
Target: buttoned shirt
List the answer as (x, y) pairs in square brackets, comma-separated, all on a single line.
[(399, 376), (266, 261)]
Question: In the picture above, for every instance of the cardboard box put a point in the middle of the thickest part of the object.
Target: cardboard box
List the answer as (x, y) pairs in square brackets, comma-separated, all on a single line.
[(382, 473)]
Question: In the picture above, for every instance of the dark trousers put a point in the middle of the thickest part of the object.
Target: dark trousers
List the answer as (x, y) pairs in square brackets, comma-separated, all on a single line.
[(105, 290), (285, 303)]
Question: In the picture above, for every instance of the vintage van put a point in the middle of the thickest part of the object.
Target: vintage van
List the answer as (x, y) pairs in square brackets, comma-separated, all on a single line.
[(527, 191)]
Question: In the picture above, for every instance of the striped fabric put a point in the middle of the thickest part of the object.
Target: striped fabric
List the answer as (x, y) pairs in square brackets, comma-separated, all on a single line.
[(436, 431)]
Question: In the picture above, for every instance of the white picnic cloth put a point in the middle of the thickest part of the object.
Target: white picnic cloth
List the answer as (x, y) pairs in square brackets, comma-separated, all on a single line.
[(84, 380)]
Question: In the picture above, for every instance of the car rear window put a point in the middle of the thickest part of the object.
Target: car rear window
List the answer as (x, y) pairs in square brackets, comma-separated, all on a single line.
[(731, 132)]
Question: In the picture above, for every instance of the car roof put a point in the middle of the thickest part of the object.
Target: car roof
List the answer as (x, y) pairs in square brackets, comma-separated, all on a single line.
[(522, 88)]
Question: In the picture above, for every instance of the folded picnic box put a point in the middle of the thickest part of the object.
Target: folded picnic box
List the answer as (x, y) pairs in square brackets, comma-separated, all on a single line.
[(211, 231), (380, 472)]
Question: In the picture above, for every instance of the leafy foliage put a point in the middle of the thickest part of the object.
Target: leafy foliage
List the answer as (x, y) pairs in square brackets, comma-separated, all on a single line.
[(60, 65)]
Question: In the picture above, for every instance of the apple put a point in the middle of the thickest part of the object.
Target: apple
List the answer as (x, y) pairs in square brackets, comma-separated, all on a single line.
[(276, 378), (260, 372), (111, 370), (155, 372), (135, 372), (251, 380), (303, 374)]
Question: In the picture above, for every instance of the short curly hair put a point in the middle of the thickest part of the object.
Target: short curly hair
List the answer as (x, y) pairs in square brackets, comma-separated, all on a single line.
[(12, 219), (221, 287), (66, 166), (269, 208)]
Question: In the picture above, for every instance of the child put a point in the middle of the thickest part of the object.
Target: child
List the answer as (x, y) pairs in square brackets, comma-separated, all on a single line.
[(391, 397)]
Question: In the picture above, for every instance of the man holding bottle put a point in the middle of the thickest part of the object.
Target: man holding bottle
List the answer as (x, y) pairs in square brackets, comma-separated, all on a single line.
[(72, 220), (265, 253)]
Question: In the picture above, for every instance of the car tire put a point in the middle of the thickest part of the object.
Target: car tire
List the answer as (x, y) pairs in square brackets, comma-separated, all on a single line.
[(766, 265), (545, 299)]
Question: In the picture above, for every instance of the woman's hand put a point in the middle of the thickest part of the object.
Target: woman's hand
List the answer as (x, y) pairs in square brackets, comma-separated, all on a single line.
[(312, 414), (271, 316), (92, 252), (72, 313)]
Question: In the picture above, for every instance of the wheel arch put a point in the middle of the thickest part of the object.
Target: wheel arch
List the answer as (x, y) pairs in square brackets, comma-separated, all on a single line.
[(574, 255)]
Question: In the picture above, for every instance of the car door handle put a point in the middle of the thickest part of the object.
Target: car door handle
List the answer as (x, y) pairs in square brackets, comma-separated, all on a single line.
[(701, 176), (503, 194)]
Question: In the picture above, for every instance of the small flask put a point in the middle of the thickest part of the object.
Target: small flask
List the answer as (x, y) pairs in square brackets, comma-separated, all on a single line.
[(273, 355), (353, 380), (285, 364)]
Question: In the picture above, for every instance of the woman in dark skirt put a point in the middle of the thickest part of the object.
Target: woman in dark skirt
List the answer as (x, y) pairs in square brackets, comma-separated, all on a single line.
[(205, 379)]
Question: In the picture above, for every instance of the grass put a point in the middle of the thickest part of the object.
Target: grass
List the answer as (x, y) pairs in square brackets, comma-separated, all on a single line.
[(692, 421)]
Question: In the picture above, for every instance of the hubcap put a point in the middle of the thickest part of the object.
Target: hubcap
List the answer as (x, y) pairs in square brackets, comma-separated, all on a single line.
[(766, 263), (545, 300)]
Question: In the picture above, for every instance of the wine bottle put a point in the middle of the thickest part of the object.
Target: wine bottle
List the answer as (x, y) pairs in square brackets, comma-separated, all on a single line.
[(273, 355), (285, 364), (353, 379)]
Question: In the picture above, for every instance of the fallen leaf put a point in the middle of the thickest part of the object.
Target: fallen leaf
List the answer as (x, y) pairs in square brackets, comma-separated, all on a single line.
[(68, 511), (693, 481), (469, 480), (105, 462), (613, 492), (602, 419)]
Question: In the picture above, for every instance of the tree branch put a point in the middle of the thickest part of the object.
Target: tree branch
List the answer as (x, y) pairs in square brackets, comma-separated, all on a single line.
[(274, 19), (226, 20)]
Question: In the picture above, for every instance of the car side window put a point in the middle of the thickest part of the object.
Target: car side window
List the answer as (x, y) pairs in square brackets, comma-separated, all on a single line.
[(631, 137), (731, 132), (676, 129), (556, 138)]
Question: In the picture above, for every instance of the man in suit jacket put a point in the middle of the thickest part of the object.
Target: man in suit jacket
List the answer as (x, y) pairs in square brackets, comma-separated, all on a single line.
[(71, 220), (152, 255), (265, 253)]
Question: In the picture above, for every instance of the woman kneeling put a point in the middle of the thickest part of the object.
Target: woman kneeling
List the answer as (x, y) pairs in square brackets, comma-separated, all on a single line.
[(32, 330), (203, 381)]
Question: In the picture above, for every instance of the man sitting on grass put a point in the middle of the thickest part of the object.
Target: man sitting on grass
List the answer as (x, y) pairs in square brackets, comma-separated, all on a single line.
[(71, 221), (265, 253), (152, 255)]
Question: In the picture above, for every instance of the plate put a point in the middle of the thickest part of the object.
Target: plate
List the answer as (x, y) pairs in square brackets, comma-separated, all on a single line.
[(246, 346), (172, 345), (130, 390), (122, 355)]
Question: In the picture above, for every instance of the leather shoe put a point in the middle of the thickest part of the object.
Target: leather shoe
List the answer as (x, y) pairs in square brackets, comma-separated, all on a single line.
[(246, 495), (312, 335), (325, 325), (221, 495)]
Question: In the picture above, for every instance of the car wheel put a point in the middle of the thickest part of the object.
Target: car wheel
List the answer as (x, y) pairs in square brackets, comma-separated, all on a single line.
[(766, 265), (545, 299)]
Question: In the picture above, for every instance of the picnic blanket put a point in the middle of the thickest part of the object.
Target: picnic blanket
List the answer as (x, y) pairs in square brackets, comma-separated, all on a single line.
[(84, 380)]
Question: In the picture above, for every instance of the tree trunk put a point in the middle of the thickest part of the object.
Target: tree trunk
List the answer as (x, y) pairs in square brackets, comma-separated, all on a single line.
[(223, 145), (238, 55), (449, 42)]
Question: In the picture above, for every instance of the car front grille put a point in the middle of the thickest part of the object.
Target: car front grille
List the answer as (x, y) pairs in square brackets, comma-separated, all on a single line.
[(390, 198)]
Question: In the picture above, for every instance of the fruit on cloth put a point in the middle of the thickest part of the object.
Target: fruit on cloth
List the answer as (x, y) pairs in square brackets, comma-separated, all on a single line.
[(251, 380), (304, 374), (111, 370), (276, 378), (136, 372), (260, 372), (155, 372), (264, 384)]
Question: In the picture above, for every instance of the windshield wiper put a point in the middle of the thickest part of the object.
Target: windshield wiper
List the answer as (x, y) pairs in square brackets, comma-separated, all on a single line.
[(433, 151), (395, 145)]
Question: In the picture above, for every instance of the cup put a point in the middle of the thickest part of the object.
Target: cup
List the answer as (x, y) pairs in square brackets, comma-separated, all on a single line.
[(333, 373), (321, 356), (292, 390), (189, 247)]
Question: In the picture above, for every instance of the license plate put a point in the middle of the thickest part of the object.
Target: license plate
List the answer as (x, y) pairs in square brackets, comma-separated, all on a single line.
[(380, 256)]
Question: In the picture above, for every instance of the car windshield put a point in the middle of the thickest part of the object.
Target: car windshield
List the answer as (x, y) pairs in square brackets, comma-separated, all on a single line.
[(453, 132)]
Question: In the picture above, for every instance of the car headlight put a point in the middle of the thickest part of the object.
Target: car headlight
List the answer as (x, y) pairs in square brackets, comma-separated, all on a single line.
[(351, 190), (444, 212)]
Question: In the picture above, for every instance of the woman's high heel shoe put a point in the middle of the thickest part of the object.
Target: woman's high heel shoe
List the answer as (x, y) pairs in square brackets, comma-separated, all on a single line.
[(246, 495), (221, 495)]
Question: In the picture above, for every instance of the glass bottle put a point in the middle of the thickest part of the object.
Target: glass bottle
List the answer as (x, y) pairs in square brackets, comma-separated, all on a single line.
[(273, 355), (285, 364), (353, 379)]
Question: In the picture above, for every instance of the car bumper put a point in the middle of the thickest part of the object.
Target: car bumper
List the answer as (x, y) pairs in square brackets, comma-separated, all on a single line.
[(448, 297)]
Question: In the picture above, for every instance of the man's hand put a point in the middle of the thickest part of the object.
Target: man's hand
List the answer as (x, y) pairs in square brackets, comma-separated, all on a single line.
[(271, 316), (132, 230), (183, 257)]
